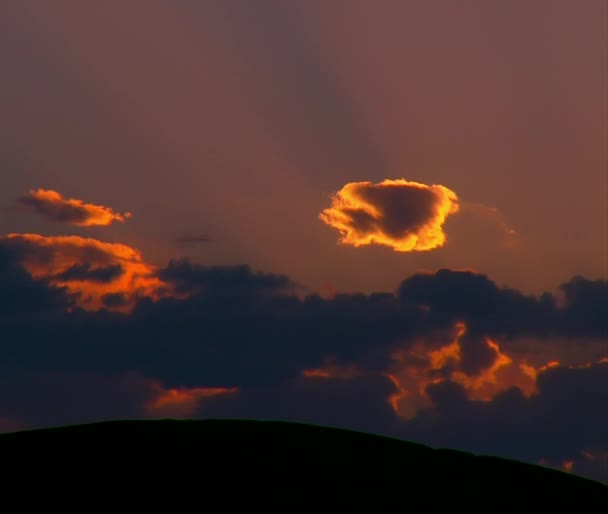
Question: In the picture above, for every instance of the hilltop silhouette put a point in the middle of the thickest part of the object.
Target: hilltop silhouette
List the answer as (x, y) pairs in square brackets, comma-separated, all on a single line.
[(280, 458)]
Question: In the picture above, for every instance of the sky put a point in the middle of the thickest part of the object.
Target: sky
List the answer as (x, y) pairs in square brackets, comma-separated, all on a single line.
[(389, 216)]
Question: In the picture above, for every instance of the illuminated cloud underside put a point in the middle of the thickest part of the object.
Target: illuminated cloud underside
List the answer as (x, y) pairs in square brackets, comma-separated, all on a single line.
[(424, 364), (406, 216), (70, 211), (80, 265), (420, 366)]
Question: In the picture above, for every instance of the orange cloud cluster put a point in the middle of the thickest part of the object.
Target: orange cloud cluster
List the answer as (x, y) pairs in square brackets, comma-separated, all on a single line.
[(423, 364), (71, 211), (406, 216), (100, 274), (412, 378), (416, 368)]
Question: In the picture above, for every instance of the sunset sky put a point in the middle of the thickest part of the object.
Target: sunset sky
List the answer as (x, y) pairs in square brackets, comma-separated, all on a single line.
[(382, 215)]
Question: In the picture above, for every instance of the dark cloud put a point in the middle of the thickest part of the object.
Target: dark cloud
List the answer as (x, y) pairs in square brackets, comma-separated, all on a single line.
[(115, 300), (89, 273), (468, 296), (434, 362), (21, 296), (586, 302), (491, 310), (222, 280), (476, 354), (407, 216), (54, 207)]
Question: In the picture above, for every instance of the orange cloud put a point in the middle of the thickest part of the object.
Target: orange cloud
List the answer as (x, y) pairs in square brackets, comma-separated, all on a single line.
[(100, 274), (183, 401), (70, 211), (418, 367), (406, 216)]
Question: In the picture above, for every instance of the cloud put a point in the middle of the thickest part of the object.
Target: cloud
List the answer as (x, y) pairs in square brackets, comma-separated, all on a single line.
[(490, 214), (406, 216), (222, 280), (92, 271), (477, 364), (453, 295), (53, 206)]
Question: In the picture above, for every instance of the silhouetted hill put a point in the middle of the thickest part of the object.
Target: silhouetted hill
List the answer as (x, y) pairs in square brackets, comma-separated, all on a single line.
[(279, 463)]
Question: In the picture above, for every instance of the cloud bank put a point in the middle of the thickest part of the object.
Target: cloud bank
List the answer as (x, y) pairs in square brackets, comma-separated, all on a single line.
[(448, 359), (406, 216), (70, 211)]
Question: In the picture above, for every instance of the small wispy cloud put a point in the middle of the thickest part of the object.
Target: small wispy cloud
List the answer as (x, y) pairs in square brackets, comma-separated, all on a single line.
[(70, 211)]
